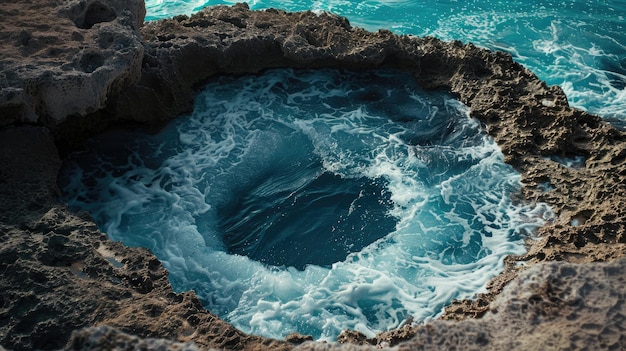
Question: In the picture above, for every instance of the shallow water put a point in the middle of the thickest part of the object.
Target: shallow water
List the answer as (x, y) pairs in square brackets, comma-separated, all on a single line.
[(578, 45), (312, 201)]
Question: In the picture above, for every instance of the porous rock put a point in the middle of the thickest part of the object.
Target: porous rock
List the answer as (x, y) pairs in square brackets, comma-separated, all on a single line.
[(61, 274), (549, 306), (531, 121), (65, 58), (105, 338)]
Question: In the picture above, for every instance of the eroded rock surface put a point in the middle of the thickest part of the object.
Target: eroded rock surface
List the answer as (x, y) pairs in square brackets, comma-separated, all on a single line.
[(59, 273), (549, 306), (65, 58), (70, 68), (533, 123), (106, 338)]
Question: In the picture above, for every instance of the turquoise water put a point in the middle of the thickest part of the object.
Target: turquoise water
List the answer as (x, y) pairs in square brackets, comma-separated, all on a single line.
[(312, 201), (578, 45), (326, 200)]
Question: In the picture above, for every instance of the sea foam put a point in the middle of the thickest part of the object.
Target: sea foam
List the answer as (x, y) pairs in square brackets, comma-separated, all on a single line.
[(430, 192), (578, 45)]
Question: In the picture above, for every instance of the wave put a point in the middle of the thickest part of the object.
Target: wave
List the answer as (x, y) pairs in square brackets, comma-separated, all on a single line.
[(578, 45)]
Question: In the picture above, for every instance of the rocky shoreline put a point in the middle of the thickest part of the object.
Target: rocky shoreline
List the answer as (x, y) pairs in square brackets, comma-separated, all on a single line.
[(70, 69)]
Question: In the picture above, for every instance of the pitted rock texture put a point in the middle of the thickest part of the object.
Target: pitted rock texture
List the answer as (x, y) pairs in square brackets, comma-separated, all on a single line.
[(28, 187), (550, 306), (59, 273), (106, 338), (532, 122), (65, 58), (555, 306)]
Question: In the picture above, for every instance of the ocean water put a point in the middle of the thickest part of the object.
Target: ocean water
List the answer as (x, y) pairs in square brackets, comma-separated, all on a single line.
[(318, 201), (312, 201), (579, 45)]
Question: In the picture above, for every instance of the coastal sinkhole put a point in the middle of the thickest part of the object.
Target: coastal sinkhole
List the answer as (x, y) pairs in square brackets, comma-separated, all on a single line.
[(312, 201)]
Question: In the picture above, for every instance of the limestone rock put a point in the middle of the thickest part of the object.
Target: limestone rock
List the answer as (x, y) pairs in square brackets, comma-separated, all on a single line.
[(60, 273), (531, 122), (184, 52), (106, 338), (60, 59), (550, 306), (28, 175)]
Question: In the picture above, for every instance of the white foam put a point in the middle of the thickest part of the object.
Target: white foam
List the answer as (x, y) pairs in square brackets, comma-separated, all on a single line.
[(450, 190), (561, 42), (565, 48)]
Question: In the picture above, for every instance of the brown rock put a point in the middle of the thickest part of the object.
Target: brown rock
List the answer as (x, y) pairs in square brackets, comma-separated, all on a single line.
[(297, 338), (352, 337), (30, 164), (550, 306), (59, 273), (106, 338), (60, 59)]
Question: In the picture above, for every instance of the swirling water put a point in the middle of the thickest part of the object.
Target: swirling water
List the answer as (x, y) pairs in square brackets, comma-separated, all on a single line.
[(312, 201), (322, 201)]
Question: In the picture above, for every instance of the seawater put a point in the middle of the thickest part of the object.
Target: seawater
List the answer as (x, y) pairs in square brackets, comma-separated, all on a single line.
[(312, 201), (579, 45)]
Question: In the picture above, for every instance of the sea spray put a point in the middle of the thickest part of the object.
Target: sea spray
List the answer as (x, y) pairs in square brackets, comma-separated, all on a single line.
[(416, 211)]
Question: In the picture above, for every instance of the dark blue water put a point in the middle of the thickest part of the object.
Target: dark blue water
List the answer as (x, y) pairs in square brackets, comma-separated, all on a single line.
[(322, 201), (294, 217), (312, 201)]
